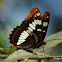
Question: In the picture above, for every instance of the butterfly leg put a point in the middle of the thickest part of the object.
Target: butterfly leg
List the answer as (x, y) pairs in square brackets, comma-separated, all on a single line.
[(43, 46), (34, 51)]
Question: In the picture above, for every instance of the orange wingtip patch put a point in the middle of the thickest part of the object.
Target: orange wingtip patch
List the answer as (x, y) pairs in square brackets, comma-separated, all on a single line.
[(47, 13), (32, 13)]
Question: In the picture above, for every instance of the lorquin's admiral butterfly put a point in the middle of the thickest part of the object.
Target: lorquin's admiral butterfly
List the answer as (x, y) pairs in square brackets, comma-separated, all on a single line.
[(32, 31)]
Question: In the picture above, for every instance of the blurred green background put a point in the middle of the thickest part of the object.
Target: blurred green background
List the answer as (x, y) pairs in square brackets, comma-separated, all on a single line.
[(13, 12)]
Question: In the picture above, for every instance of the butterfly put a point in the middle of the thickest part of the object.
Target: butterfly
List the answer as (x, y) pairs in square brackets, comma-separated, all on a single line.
[(32, 31)]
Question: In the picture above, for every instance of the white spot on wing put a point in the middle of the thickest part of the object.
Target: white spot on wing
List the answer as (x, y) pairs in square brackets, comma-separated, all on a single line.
[(40, 22), (45, 24), (34, 15), (47, 17), (44, 31), (38, 14), (30, 29), (32, 26), (24, 37), (20, 41), (36, 22), (21, 38), (38, 29), (25, 33)]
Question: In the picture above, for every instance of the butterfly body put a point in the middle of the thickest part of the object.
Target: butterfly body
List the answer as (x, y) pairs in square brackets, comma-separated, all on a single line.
[(32, 31)]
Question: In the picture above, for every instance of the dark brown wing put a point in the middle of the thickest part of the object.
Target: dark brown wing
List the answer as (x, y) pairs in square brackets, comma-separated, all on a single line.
[(45, 21), (15, 37)]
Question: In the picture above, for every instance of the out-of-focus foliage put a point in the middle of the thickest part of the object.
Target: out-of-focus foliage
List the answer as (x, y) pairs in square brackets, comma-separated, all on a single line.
[(2, 40), (8, 50)]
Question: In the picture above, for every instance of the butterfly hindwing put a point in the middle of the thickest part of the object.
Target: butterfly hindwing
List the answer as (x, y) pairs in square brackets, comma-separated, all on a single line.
[(45, 21)]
